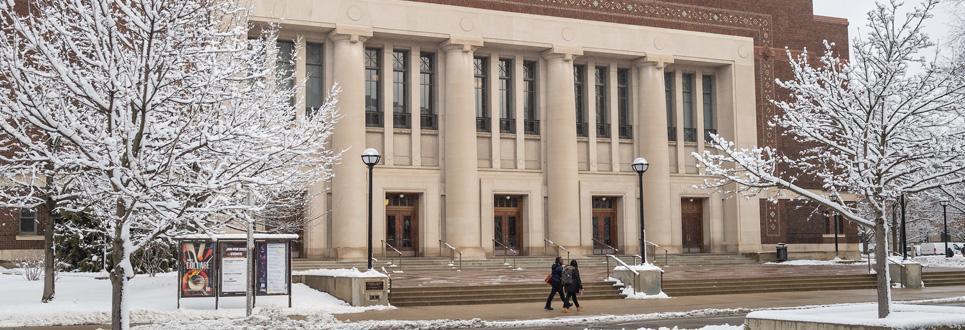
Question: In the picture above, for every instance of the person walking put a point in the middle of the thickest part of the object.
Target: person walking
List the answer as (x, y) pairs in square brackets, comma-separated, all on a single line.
[(555, 282), (572, 285)]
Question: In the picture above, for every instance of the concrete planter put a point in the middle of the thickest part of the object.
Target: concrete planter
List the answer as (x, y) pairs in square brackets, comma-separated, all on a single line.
[(649, 282), (908, 276), (357, 291)]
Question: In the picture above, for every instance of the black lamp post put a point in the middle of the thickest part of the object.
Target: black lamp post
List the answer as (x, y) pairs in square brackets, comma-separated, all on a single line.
[(904, 235), (837, 223), (944, 204), (641, 165), (370, 157)]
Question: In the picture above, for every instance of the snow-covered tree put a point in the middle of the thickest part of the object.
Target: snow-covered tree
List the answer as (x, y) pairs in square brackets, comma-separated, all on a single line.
[(167, 118), (875, 130)]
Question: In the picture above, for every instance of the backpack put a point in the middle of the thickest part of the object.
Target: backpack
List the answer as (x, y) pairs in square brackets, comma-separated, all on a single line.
[(567, 277)]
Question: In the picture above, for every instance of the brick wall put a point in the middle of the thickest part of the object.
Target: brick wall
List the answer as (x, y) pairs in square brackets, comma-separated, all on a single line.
[(10, 228)]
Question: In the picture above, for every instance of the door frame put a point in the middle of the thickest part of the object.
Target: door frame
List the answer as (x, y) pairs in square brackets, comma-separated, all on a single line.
[(615, 222), (397, 210), (699, 223), (519, 212)]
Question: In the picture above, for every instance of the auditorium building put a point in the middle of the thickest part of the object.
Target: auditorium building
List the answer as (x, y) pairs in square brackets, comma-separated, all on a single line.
[(511, 125)]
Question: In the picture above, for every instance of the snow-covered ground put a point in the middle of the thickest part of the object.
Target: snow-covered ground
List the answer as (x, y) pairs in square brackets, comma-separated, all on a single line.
[(958, 261), (709, 327), (832, 262), (82, 299), (901, 317)]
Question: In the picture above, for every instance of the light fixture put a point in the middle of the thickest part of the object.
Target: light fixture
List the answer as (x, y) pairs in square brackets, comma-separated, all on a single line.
[(640, 165), (370, 157)]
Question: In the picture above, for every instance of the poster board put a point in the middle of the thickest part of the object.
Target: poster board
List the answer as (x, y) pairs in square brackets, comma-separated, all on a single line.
[(198, 269), (272, 268), (234, 268)]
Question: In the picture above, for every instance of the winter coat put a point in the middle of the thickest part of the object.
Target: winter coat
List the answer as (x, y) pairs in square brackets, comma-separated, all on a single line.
[(577, 284), (557, 272)]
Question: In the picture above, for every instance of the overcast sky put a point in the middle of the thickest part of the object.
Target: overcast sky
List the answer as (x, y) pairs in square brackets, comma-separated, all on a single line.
[(856, 12)]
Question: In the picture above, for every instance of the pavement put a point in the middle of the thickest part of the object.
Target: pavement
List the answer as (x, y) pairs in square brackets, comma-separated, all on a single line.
[(529, 311)]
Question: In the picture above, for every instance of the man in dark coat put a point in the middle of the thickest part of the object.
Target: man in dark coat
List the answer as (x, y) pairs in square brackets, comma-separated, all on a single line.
[(555, 282)]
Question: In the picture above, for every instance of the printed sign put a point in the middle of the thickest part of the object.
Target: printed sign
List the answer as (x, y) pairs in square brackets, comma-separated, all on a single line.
[(234, 265), (198, 270), (272, 268)]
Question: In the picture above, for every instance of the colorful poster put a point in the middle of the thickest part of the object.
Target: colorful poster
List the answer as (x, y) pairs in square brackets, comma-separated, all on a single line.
[(234, 265), (198, 269), (272, 268)]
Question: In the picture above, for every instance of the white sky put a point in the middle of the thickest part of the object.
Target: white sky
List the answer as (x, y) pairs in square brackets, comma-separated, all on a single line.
[(938, 27)]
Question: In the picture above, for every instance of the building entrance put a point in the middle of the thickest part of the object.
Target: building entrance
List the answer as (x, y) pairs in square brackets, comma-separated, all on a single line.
[(692, 221), (507, 223), (604, 225), (402, 223)]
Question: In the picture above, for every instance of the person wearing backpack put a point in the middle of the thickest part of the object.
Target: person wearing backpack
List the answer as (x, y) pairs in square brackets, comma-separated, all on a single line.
[(572, 285), (554, 279)]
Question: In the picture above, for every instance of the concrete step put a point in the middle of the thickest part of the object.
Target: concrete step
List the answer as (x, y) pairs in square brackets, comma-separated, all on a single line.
[(470, 301), (488, 294), (679, 293)]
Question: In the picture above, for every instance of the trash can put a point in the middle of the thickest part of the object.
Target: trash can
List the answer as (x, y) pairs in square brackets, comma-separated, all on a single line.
[(781, 252)]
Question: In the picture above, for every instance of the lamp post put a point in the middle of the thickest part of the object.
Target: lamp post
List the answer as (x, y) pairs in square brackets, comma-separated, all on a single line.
[(944, 204), (641, 165), (837, 223), (370, 157), (904, 234)]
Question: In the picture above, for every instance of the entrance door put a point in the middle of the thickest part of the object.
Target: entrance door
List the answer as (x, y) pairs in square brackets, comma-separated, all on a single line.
[(691, 219), (507, 224), (604, 225), (402, 224)]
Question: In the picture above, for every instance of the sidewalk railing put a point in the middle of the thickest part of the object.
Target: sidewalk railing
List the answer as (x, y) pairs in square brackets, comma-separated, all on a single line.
[(621, 263), (559, 248), (506, 251), (652, 247), (452, 253)]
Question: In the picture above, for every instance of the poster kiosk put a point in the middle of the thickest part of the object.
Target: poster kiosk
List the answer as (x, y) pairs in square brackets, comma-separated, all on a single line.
[(215, 266)]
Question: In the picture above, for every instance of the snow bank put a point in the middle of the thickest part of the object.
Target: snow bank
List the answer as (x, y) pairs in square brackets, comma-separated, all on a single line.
[(628, 292), (832, 262), (344, 272), (708, 327), (901, 317), (81, 299), (958, 261)]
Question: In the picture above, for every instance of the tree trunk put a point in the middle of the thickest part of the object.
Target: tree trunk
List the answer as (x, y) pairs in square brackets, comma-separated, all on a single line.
[(881, 267), (49, 260), (119, 311)]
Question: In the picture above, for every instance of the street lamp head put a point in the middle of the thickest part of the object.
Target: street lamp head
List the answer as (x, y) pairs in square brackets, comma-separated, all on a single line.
[(640, 165), (943, 202), (370, 157)]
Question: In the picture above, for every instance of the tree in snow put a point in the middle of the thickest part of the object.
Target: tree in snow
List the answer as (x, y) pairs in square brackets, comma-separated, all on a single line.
[(161, 116), (875, 130)]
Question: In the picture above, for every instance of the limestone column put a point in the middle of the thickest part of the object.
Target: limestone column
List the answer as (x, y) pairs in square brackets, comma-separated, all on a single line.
[(349, 208), (562, 177), (651, 117), (461, 173)]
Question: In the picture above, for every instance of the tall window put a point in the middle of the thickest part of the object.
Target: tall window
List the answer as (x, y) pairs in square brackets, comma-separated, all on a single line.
[(400, 89), (373, 87), (314, 85), (480, 70), (602, 102), (507, 120), (579, 86), (530, 117), (690, 129), (426, 93), (286, 67), (710, 118), (668, 82), (623, 103), (28, 221)]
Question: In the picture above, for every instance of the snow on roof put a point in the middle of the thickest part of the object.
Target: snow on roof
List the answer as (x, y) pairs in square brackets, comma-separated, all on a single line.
[(242, 236), (901, 317)]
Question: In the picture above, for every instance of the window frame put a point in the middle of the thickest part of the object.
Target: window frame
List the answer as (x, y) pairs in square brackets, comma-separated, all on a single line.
[(507, 108), (709, 100), (579, 87), (625, 120), (32, 212), (669, 81), (319, 78), (601, 85), (427, 111), (373, 113), (400, 89), (688, 103), (481, 93), (530, 98)]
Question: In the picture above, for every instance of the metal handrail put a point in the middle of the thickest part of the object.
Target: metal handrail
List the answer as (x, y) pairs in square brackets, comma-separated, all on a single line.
[(654, 254), (505, 249), (615, 250), (558, 248), (389, 277), (624, 264), (399, 259), (452, 254)]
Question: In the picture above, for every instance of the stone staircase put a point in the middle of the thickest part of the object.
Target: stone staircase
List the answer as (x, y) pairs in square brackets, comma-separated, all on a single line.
[(524, 262), (943, 278), (716, 286), (493, 294)]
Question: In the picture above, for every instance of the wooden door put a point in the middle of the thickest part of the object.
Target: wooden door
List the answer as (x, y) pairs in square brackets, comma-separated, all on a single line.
[(691, 219), (604, 224), (402, 224), (508, 224)]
